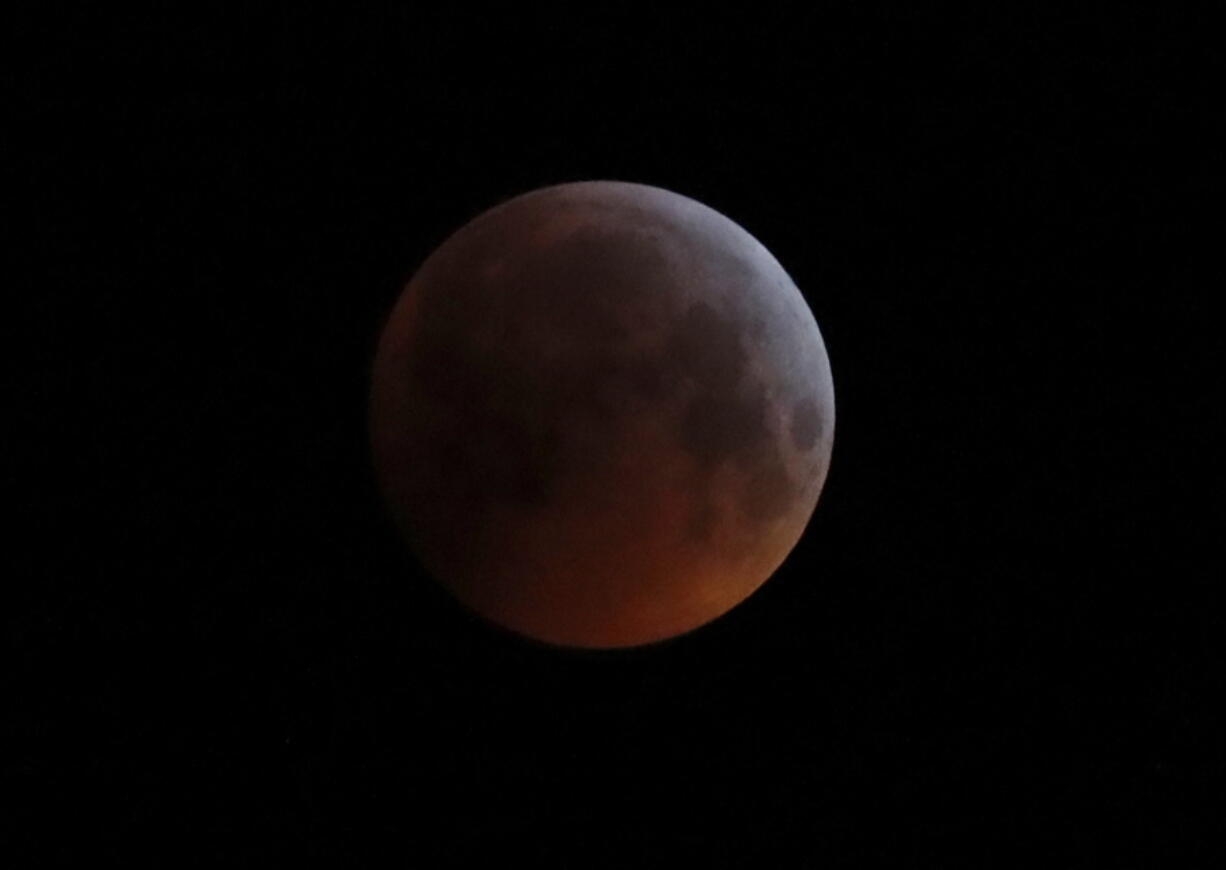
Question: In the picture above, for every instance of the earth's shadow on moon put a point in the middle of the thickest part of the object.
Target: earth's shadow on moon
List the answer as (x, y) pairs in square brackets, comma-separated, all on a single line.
[(603, 381)]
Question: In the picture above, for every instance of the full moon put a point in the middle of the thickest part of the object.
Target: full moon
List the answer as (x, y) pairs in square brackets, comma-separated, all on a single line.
[(601, 414)]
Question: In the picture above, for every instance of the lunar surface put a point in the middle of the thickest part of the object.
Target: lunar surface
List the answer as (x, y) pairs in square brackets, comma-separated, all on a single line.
[(601, 414)]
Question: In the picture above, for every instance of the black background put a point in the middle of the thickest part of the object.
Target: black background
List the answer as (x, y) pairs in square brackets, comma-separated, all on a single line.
[(993, 644)]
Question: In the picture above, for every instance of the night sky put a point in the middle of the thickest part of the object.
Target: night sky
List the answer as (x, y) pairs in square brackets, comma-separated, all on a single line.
[(993, 644)]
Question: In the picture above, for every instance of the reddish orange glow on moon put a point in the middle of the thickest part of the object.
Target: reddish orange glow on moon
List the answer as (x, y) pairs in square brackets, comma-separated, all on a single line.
[(601, 414)]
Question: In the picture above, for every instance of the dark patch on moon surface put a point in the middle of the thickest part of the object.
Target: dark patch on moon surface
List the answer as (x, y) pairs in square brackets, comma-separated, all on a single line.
[(770, 492), (703, 519), (716, 427), (587, 286), (706, 348), (806, 426)]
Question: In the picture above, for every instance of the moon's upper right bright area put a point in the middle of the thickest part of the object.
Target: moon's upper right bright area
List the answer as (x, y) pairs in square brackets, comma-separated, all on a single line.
[(601, 414)]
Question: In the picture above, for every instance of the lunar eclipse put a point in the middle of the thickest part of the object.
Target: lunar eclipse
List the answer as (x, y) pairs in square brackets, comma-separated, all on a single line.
[(601, 414)]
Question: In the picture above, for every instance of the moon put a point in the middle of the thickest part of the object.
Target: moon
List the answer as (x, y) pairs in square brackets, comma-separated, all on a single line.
[(601, 414)]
